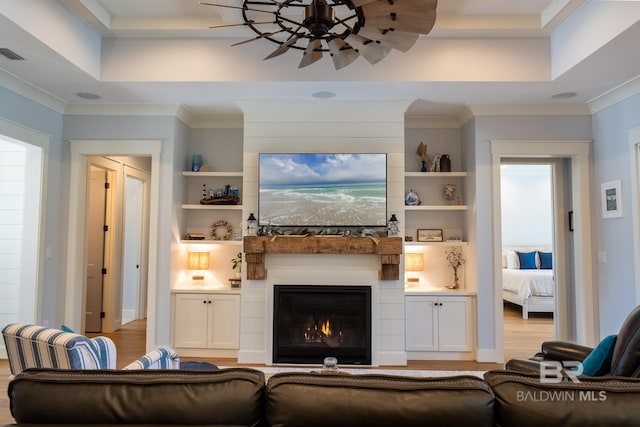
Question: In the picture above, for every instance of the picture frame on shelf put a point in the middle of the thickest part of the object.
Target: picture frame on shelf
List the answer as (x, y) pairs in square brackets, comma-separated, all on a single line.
[(611, 199), (430, 235)]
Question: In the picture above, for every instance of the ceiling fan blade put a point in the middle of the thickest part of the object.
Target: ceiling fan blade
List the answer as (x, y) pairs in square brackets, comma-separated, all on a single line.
[(341, 53), (412, 16), (312, 53), (261, 36), (370, 50), (283, 47), (237, 7), (394, 39), (244, 24)]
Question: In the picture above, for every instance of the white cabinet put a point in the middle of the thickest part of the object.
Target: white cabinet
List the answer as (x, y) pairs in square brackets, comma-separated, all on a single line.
[(206, 321), (438, 324)]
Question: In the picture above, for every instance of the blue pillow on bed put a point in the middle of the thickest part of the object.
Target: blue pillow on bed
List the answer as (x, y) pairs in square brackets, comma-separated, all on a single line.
[(527, 260), (546, 260)]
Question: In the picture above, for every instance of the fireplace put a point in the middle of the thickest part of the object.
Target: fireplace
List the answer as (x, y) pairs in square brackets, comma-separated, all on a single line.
[(314, 322)]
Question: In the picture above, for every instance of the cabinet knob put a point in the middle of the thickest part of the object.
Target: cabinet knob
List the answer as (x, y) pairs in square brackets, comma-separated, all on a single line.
[(204, 302)]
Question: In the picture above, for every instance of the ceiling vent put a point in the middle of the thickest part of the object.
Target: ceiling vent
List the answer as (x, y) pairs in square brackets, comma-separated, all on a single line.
[(8, 53)]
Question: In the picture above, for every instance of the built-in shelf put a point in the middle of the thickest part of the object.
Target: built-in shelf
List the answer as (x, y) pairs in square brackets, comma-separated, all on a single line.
[(256, 247), (211, 242), (435, 174), (212, 207), (436, 208), (221, 174), (448, 243)]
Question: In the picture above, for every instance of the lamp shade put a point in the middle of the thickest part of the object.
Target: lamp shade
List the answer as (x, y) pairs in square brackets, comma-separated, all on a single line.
[(198, 261), (414, 261)]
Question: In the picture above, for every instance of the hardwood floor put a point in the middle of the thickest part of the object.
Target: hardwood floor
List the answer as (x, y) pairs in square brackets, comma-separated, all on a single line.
[(522, 339)]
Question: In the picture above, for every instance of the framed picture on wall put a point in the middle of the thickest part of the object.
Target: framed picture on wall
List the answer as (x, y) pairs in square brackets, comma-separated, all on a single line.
[(611, 199), (430, 235)]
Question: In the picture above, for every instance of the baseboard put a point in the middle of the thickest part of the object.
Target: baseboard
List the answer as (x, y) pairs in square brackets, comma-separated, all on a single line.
[(489, 356), (252, 356), (391, 358)]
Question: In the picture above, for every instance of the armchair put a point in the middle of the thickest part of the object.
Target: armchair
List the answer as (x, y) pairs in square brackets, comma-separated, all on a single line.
[(624, 358), (32, 346)]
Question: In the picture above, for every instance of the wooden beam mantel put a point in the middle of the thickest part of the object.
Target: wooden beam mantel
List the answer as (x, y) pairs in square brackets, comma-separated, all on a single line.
[(389, 249)]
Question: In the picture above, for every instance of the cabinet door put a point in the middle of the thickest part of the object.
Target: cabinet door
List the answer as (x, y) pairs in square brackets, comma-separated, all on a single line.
[(455, 323), (421, 323), (190, 320), (224, 322)]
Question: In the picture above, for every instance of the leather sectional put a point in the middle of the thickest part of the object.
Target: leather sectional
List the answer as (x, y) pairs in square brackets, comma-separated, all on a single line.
[(242, 397)]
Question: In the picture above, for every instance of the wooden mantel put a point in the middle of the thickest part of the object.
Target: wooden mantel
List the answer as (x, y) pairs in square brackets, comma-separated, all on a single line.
[(389, 249)]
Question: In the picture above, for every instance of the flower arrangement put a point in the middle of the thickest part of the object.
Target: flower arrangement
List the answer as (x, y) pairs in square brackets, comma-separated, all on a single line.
[(455, 259)]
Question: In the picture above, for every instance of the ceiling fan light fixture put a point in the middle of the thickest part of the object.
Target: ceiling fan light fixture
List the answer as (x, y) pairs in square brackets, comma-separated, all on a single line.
[(318, 17)]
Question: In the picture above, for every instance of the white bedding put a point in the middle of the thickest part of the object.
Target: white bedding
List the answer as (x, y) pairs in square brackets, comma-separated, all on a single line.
[(527, 283)]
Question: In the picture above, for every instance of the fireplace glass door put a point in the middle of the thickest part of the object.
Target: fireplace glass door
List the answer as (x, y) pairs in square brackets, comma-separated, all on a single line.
[(314, 322)]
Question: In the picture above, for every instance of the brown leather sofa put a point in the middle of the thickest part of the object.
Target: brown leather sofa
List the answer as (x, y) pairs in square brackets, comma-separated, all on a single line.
[(240, 397)]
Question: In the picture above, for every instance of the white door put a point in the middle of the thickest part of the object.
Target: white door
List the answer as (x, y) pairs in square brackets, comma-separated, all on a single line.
[(96, 203), (132, 254), (224, 322), (421, 323), (454, 321), (190, 320)]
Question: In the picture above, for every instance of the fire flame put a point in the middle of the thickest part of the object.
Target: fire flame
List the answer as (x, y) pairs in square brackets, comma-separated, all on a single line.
[(326, 328)]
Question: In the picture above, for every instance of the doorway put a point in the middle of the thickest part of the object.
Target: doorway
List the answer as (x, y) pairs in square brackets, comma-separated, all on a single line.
[(22, 211), (81, 151), (528, 224), (580, 322), (117, 223)]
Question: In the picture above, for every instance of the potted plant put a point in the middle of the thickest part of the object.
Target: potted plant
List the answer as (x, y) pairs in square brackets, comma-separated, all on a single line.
[(237, 264)]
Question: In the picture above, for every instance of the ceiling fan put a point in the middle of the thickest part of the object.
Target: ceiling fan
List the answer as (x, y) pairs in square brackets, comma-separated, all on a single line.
[(346, 29)]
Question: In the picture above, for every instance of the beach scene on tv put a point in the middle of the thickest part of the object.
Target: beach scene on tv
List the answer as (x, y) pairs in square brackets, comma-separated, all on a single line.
[(322, 190)]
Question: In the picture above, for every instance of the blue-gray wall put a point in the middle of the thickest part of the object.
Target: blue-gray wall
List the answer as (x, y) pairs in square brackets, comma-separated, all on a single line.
[(616, 276)]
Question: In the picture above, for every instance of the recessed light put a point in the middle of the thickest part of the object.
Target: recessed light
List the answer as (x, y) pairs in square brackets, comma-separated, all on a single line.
[(323, 94), (88, 95), (564, 95)]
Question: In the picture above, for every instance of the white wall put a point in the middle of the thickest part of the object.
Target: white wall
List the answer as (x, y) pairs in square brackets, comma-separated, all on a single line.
[(326, 127), (12, 194), (527, 216)]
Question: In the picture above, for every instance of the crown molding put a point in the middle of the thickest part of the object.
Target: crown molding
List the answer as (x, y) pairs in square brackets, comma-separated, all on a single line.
[(209, 122), (431, 122), (121, 110), (615, 95), (580, 109), (31, 92)]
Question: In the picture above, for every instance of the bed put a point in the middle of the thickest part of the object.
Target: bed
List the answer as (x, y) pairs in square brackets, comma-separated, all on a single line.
[(532, 289)]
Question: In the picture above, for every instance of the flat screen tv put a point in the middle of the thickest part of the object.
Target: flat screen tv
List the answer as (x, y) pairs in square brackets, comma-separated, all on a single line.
[(322, 190)]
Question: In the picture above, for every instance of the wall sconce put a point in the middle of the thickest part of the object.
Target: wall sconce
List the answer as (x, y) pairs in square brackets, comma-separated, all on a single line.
[(413, 262), (198, 261)]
